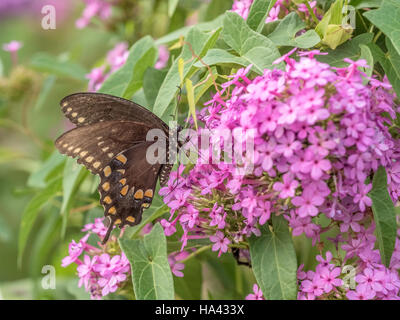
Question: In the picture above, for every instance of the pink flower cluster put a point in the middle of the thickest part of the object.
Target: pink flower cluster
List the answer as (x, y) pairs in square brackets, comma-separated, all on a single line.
[(279, 10), (321, 133), (94, 8), (99, 271), (116, 58)]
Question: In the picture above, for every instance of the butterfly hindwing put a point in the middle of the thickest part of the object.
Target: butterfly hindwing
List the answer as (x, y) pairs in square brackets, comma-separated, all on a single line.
[(127, 186), (97, 144), (88, 108)]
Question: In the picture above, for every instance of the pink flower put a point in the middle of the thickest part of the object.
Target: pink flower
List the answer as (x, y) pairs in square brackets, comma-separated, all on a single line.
[(257, 295), (327, 278), (75, 250), (163, 56), (12, 46), (308, 202), (220, 243), (360, 294), (287, 188)]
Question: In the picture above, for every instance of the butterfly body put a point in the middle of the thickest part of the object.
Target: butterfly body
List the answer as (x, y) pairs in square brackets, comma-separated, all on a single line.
[(110, 140)]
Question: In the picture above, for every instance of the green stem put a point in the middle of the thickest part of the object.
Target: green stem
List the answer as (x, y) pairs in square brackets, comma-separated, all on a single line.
[(377, 36), (313, 16), (193, 254)]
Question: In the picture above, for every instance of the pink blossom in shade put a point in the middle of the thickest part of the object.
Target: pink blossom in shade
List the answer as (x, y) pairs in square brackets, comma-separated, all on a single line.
[(12, 46), (163, 56), (220, 243), (371, 279), (351, 221), (263, 211), (361, 191), (74, 250), (308, 202), (242, 7), (361, 293), (327, 278), (287, 188), (325, 263), (174, 261), (117, 57), (96, 78), (169, 227), (256, 295), (99, 8), (273, 14), (97, 227), (85, 271)]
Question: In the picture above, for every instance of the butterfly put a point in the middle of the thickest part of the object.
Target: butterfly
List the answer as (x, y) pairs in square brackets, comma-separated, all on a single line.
[(110, 140)]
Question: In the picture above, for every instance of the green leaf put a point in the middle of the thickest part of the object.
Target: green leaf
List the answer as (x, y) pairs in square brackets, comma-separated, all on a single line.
[(152, 81), (360, 4), (53, 65), (258, 13), (366, 54), (250, 45), (192, 104), (387, 19), (48, 84), (38, 179), (129, 78), (384, 215), (390, 63), (274, 261), (73, 177), (220, 56), (31, 213), (350, 49), (285, 33), (171, 7), (151, 273), (200, 42)]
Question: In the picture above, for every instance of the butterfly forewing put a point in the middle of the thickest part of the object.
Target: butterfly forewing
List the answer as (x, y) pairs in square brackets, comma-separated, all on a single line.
[(89, 108), (97, 144)]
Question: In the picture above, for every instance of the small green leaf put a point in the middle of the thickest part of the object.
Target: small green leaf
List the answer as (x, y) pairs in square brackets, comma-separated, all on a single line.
[(258, 13), (350, 49), (220, 56), (200, 43), (152, 81), (387, 19), (129, 78), (384, 215), (151, 273), (47, 63), (73, 177), (366, 54), (285, 33), (171, 7), (48, 84), (31, 213), (274, 261), (38, 179), (250, 45), (190, 97)]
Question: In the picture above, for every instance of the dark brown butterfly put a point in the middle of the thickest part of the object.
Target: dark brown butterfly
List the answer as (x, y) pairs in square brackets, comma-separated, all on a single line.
[(110, 140)]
